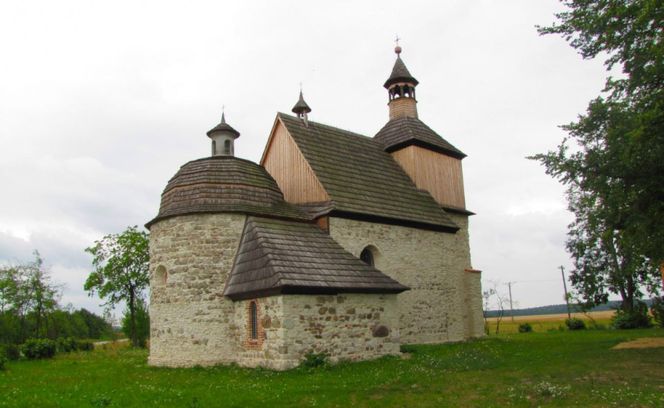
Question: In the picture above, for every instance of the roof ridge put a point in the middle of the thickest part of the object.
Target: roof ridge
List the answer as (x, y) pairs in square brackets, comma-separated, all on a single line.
[(350, 132)]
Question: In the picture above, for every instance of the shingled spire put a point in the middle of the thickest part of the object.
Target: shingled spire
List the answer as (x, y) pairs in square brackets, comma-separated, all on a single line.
[(223, 138), (401, 89), (301, 109)]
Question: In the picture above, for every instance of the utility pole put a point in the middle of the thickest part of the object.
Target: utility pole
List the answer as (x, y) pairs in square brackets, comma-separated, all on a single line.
[(509, 285), (562, 272)]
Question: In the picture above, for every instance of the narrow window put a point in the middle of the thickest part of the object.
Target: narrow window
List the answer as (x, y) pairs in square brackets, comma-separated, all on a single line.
[(161, 276), (214, 148), (367, 256), (253, 320), (227, 147)]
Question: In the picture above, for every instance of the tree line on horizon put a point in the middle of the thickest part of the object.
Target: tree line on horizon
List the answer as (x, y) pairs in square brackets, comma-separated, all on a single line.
[(29, 308)]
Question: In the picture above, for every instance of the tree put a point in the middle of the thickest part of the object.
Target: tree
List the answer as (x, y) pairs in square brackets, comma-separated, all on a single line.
[(611, 161), (27, 298), (121, 263), (142, 320)]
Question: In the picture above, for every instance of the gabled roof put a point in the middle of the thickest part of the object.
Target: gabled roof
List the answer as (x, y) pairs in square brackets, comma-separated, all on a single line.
[(400, 74), (224, 184), (405, 131), (288, 257), (361, 179)]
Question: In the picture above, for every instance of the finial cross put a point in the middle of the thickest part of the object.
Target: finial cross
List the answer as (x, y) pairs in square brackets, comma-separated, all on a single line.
[(396, 40)]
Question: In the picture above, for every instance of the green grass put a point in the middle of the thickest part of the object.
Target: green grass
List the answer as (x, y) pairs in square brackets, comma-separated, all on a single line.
[(531, 369)]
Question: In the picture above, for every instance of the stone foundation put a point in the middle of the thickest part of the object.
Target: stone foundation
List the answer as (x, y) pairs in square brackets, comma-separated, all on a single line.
[(344, 327)]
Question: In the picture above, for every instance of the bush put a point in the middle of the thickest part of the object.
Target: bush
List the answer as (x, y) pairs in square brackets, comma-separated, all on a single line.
[(3, 361), (38, 348), (635, 319), (525, 328), (657, 310), (10, 352), (66, 344), (313, 360), (84, 345), (575, 324)]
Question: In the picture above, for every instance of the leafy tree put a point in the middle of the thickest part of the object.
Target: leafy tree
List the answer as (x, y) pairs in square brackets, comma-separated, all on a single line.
[(121, 263), (142, 322), (611, 161), (27, 297)]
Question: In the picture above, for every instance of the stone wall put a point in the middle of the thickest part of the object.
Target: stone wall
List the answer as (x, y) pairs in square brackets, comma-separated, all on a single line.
[(191, 322), (345, 327), (432, 264)]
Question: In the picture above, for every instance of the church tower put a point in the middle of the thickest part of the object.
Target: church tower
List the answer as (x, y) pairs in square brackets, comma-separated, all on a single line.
[(431, 162)]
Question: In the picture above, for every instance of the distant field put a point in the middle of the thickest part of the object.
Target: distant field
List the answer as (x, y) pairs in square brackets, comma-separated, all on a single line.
[(547, 369), (548, 322)]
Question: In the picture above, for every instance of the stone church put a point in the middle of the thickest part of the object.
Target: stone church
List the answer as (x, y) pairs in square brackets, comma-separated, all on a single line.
[(336, 243)]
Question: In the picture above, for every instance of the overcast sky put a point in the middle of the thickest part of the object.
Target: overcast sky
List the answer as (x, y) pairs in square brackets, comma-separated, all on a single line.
[(101, 102)]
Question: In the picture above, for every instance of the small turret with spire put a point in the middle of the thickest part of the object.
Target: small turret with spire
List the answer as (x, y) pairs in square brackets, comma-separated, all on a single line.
[(401, 89), (301, 109), (223, 138)]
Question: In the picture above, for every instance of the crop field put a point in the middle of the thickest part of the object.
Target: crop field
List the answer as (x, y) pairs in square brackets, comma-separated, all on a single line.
[(549, 322), (548, 369)]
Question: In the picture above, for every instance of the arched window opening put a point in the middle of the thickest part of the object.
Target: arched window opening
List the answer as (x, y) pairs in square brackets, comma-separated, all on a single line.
[(367, 256), (214, 147), (253, 320), (227, 147), (161, 276)]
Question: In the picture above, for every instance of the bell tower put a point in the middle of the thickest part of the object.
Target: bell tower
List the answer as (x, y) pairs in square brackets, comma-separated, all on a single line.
[(401, 90), (223, 138), (432, 162)]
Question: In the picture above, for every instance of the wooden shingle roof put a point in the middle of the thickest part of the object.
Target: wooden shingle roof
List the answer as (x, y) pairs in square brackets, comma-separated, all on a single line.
[(224, 184), (288, 257), (405, 131), (400, 74), (362, 179)]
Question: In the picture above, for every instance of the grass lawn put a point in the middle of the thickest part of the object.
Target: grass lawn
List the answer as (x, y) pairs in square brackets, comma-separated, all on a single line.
[(530, 369)]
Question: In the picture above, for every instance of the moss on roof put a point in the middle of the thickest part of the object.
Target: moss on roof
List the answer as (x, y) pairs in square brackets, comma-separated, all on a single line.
[(361, 178), (224, 184), (288, 257)]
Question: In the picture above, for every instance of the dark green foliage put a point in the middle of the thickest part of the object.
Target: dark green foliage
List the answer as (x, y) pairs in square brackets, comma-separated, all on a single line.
[(28, 308), (407, 348), (3, 361), (636, 318), (10, 351), (657, 310), (121, 272), (611, 162), (575, 324), (84, 345), (313, 360), (525, 328), (38, 348), (66, 344), (142, 319)]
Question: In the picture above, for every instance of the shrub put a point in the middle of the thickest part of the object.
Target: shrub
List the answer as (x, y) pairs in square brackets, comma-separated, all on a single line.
[(10, 351), (85, 345), (657, 310), (313, 360), (66, 344), (38, 348), (525, 328), (635, 319), (3, 361), (575, 324)]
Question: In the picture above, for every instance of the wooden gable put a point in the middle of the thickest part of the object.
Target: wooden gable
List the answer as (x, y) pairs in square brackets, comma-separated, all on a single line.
[(286, 164)]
